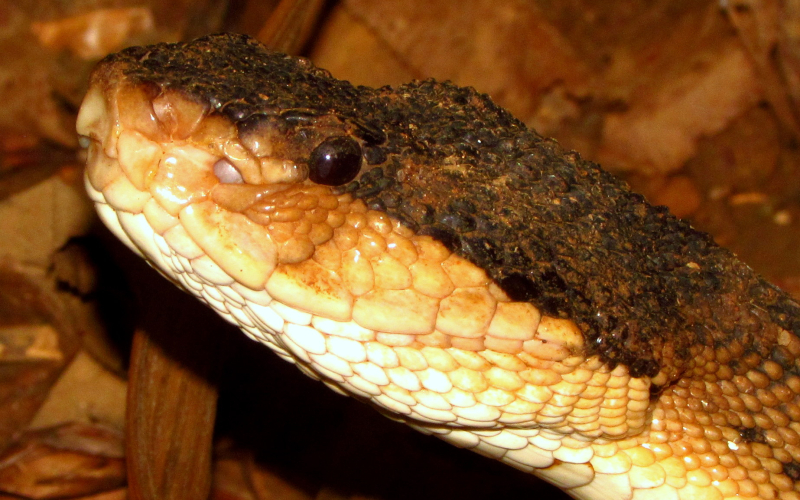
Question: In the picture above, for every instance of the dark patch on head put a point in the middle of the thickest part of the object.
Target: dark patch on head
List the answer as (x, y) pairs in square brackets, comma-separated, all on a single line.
[(480, 250), (370, 132), (239, 77), (751, 434), (643, 367), (783, 357), (447, 236), (549, 227), (792, 469), (520, 287), (374, 155)]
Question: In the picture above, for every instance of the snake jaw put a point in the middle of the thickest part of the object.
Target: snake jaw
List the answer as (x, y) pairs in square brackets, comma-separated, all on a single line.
[(243, 249)]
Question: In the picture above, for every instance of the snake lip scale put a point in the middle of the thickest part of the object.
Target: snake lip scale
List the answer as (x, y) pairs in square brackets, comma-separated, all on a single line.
[(420, 249)]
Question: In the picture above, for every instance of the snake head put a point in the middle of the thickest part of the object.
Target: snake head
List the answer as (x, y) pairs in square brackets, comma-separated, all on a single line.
[(421, 250), (248, 196), (254, 200)]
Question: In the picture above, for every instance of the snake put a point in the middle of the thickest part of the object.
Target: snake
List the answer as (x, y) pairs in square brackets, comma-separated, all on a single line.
[(421, 250)]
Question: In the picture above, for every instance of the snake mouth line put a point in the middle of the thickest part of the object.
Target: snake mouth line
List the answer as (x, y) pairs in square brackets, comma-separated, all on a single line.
[(330, 280)]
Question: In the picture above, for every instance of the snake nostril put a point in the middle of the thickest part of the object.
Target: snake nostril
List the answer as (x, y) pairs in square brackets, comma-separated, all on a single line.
[(227, 173)]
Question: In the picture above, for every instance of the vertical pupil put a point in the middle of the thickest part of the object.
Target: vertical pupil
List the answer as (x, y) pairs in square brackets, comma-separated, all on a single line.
[(336, 161)]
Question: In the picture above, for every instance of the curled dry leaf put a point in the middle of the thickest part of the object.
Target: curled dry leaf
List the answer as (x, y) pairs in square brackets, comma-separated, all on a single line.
[(31, 343), (47, 50), (90, 439), (26, 76), (659, 132), (64, 461)]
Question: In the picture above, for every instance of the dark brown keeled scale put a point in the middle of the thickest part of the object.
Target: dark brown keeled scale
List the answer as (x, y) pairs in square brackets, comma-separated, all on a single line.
[(548, 226)]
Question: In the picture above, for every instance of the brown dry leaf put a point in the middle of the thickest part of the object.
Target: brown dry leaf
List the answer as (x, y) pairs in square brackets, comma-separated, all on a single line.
[(248, 16), (46, 50), (94, 34), (90, 439), (768, 30), (85, 392), (39, 336), (659, 132), (348, 48), (669, 74), (679, 193), (39, 220), (479, 45), (789, 48), (64, 461), (743, 156), (749, 176), (26, 76), (31, 343), (26, 160), (119, 494), (678, 82)]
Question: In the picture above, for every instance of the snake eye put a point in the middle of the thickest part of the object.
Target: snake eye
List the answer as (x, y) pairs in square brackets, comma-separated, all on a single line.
[(336, 161)]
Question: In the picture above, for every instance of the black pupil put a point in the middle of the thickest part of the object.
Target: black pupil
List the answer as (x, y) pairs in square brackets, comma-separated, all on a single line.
[(336, 161)]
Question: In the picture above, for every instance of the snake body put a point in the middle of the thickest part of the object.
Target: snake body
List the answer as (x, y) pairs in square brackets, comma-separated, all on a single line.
[(420, 249)]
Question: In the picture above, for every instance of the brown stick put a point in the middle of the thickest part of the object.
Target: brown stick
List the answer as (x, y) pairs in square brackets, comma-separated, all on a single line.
[(172, 405)]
